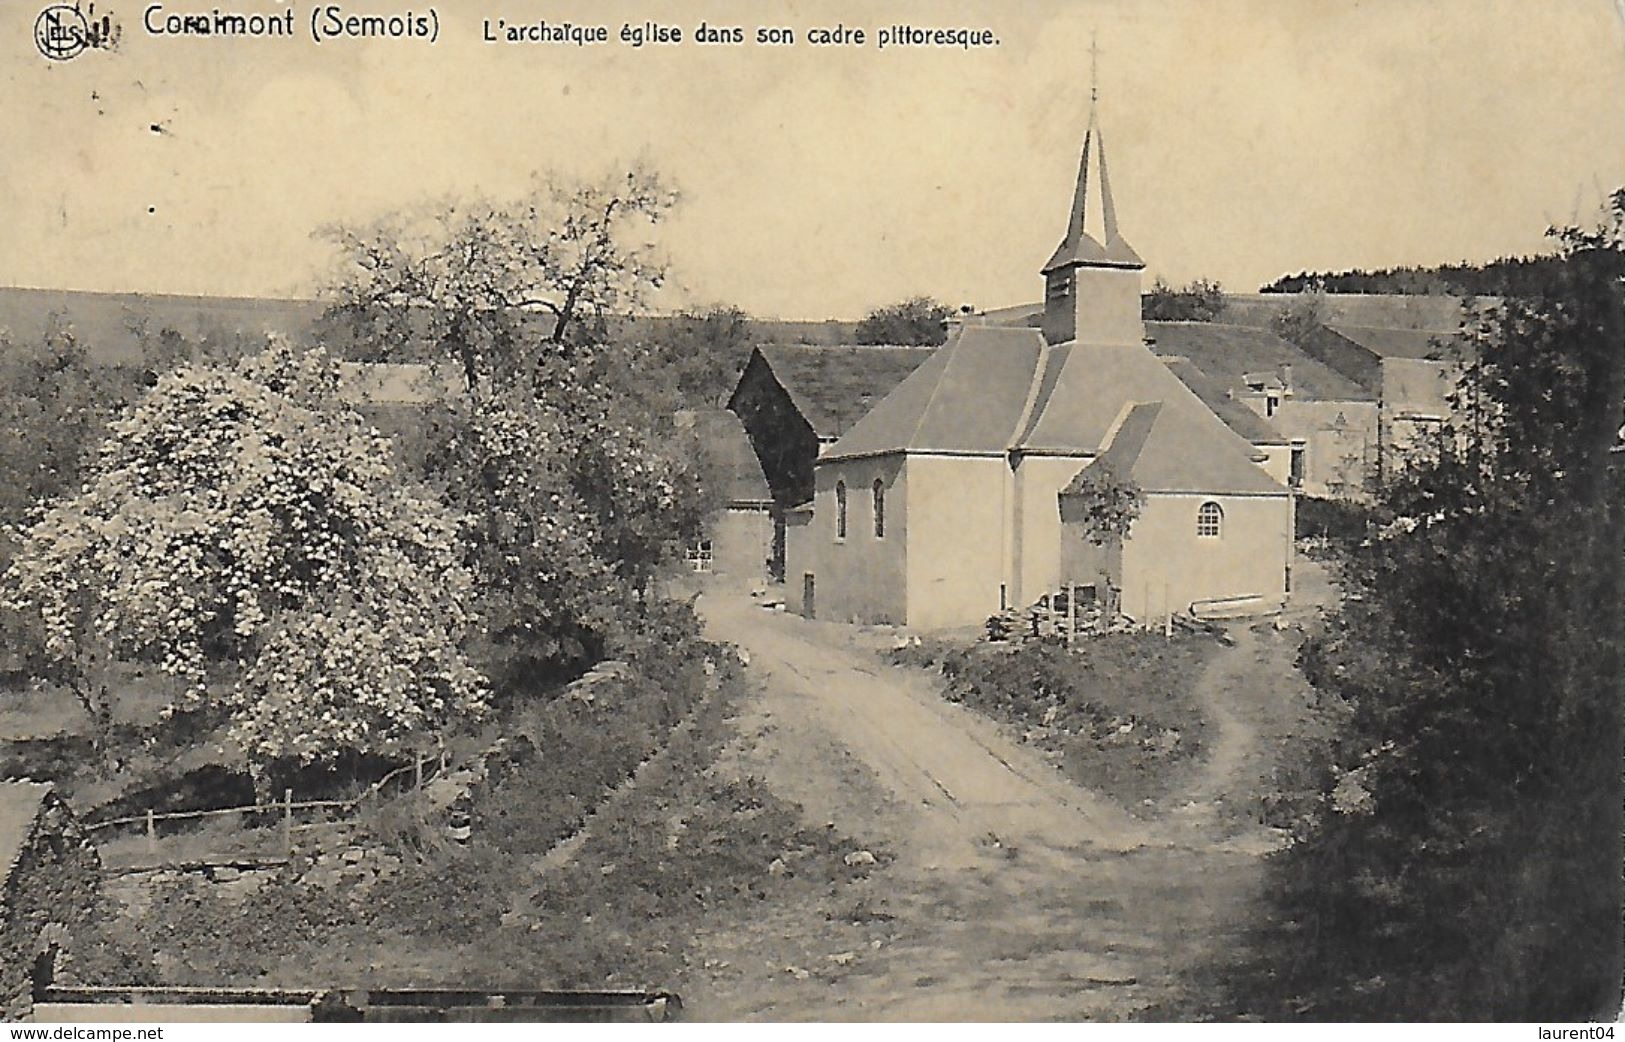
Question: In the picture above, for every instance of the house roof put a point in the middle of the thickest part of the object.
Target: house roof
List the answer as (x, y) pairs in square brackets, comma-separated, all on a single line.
[(1227, 353), (1397, 343), (1433, 312), (20, 803), (725, 441), (832, 387), (1235, 415), (992, 390)]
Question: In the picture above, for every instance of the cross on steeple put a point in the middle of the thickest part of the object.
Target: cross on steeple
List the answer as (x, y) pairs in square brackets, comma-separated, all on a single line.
[(1079, 246), (1094, 69)]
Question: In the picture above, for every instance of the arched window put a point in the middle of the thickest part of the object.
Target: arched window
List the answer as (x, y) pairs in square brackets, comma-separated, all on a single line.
[(880, 509), (840, 510), (1209, 519)]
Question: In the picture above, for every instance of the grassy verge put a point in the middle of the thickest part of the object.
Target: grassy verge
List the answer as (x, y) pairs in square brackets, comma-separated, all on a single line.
[(1117, 712), (660, 860)]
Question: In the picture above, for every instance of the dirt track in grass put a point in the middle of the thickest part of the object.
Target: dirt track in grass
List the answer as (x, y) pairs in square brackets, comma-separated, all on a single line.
[(1014, 895)]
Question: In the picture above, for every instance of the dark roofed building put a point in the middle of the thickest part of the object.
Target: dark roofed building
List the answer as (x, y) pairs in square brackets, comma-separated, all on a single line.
[(1232, 354), (796, 400)]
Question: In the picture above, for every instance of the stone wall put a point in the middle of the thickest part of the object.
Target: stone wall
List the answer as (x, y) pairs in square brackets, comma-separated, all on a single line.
[(49, 899)]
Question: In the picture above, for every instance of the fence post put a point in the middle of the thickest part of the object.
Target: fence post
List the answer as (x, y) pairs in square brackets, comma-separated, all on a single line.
[(417, 761), (1071, 614), (152, 836), (287, 823)]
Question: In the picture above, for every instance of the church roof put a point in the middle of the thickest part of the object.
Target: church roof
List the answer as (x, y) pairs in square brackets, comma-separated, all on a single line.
[(1079, 247), (993, 390), (1228, 352), (832, 387), (1160, 449), (968, 397)]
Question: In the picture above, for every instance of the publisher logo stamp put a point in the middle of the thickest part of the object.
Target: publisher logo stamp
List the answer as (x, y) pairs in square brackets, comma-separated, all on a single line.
[(65, 31), (61, 32)]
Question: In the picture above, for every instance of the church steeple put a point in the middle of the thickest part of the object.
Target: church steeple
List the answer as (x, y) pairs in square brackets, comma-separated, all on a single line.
[(1092, 288)]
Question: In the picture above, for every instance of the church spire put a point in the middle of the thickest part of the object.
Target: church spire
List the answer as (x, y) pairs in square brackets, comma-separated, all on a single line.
[(1092, 288), (1079, 247)]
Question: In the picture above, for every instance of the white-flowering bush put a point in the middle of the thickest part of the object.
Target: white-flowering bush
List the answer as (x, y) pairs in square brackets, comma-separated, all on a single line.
[(250, 535)]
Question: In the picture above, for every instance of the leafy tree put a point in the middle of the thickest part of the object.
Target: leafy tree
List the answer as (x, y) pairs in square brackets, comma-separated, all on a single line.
[(1198, 301), (1295, 321), (1105, 504), (918, 321), (248, 534), (1504, 276), (54, 405), (693, 360), (557, 449), (500, 288), (1466, 861)]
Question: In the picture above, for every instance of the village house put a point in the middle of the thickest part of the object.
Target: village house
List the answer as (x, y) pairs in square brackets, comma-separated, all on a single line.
[(738, 540), (948, 500), (1327, 421), (50, 877), (1411, 372)]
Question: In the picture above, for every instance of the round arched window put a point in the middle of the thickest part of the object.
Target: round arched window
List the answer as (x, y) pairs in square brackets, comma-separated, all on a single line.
[(840, 510), (1209, 520)]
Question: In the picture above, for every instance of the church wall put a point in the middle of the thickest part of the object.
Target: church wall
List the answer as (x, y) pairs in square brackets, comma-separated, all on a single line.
[(860, 578), (956, 539), (1167, 566), (800, 558), (1084, 563), (1039, 481), (1108, 306)]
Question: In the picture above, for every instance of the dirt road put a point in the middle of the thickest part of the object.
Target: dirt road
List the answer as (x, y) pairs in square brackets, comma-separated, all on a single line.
[(1014, 895)]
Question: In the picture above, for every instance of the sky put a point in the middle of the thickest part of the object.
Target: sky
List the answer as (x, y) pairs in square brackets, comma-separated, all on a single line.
[(1246, 139)]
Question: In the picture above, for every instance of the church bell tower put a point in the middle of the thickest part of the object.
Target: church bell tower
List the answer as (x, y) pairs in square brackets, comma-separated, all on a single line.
[(1092, 287)]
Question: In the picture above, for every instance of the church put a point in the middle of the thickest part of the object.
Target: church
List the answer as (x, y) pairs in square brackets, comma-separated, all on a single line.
[(958, 494)]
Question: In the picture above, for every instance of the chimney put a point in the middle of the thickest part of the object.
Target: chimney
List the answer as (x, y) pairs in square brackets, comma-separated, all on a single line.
[(1286, 379)]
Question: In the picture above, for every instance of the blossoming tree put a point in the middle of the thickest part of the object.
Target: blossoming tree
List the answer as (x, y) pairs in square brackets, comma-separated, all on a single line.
[(248, 533)]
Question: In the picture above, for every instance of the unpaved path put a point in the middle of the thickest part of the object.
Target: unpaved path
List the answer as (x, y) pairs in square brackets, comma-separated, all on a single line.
[(961, 785), (1014, 895)]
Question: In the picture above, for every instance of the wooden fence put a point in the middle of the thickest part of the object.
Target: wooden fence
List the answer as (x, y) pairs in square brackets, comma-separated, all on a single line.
[(420, 770)]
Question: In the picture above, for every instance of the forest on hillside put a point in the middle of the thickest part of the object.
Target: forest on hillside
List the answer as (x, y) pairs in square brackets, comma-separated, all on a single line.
[(1503, 277)]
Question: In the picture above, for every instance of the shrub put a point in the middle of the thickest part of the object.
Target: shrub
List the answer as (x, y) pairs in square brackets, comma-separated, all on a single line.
[(1338, 521)]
